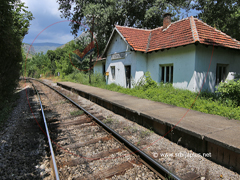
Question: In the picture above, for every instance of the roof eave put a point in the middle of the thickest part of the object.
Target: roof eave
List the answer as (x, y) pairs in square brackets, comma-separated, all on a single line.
[(108, 43), (124, 39)]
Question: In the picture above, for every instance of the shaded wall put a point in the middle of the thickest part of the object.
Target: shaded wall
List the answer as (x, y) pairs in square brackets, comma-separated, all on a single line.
[(220, 56)]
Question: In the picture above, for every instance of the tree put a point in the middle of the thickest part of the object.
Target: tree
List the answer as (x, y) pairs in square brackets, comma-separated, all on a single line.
[(51, 56), (14, 23), (224, 14), (139, 13)]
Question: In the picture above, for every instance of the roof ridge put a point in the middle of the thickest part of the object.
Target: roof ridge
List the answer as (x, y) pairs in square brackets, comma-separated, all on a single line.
[(218, 31), (194, 30), (154, 28), (172, 23), (134, 28), (149, 39)]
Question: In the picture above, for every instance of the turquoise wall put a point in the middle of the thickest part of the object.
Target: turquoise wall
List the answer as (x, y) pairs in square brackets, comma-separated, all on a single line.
[(183, 60), (98, 67), (220, 56)]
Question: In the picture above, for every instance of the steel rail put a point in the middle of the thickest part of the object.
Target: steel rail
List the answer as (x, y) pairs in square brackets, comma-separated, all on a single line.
[(154, 164), (48, 136)]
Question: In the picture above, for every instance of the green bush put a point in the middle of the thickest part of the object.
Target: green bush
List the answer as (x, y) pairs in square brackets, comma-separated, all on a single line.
[(229, 92), (145, 82), (149, 82)]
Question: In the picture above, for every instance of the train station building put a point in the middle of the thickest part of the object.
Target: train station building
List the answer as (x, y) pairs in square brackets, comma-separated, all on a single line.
[(178, 52)]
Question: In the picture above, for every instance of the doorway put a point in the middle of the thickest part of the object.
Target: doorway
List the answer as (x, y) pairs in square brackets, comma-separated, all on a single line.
[(128, 76), (103, 69)]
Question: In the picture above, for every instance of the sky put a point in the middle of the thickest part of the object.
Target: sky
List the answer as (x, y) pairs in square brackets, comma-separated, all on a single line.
[(46, 13)]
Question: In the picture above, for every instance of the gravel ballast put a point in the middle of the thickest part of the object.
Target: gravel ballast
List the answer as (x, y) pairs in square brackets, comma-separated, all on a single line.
[(23, 150), (176, 158)]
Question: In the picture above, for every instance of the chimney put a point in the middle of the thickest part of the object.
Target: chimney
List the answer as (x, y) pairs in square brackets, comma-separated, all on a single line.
[(166, 20)]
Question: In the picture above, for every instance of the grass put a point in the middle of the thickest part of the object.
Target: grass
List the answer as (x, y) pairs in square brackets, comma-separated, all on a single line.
[(108, 120), (165, 93), (64, 102), (144, 134), (76, 113)]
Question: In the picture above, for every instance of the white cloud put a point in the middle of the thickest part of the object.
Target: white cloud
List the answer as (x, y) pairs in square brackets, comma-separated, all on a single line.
[(60, 38), (47, 25), (43, 7)]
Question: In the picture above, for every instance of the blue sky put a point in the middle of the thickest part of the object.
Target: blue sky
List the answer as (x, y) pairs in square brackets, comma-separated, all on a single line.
[(46, 13)]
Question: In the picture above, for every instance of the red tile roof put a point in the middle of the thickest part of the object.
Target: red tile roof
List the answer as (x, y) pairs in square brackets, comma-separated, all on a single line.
[(179, 33), (137, 38)]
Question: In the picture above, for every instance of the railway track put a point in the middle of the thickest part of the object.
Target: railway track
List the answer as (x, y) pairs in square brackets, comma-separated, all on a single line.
[(83, 147)]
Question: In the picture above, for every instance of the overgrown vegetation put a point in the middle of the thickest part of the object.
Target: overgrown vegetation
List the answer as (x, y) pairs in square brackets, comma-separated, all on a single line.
[(60, 61), (76, 113), (229, 92), (108, 121), (14, 23), (220, 103)]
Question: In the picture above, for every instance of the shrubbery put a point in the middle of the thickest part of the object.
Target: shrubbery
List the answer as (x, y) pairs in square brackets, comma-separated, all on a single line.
[(219, 104), (229, 92)]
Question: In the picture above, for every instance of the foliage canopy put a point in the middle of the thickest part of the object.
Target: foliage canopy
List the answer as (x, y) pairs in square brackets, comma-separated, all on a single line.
[(139, 13), (14, 23), (224, 14)]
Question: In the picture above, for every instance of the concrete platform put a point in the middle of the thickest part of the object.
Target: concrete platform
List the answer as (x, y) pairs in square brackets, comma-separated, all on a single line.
[(203, 133)]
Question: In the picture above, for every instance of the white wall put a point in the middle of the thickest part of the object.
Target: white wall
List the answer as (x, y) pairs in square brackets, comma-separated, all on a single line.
[(220, 56), (183, 60), (134, 59), (141, 66)]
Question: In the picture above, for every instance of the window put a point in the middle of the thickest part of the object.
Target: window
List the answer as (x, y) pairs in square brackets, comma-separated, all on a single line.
[(166, 73), (221, 73), (113, 72)]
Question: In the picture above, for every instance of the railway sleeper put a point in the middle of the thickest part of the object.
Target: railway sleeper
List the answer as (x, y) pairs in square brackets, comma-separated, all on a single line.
[(75, 122), (116, 170), (81, 144), (80, 126), (95, 157)]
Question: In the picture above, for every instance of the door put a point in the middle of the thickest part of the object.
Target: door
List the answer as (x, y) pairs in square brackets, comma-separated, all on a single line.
[(103, 69), (128, 76)]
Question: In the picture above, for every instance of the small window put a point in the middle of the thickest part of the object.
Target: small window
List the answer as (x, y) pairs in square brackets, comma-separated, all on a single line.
[(166, 73), (113, 72), (221, 73)]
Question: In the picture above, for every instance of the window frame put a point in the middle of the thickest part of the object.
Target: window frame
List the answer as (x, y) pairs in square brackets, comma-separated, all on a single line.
[(166, 73), (220, 75), (113, 72)]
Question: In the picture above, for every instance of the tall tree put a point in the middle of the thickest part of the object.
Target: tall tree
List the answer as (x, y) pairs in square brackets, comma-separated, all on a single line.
[(14, 22), (224, 14), (138, 13)]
